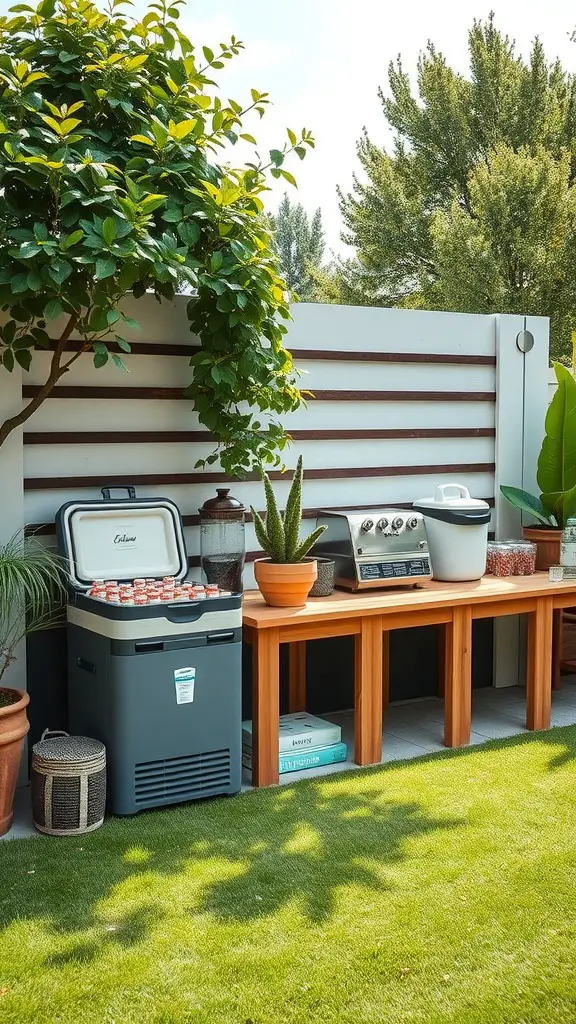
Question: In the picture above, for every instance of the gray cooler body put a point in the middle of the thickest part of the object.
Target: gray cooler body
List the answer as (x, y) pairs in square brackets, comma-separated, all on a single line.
[(160, 685)]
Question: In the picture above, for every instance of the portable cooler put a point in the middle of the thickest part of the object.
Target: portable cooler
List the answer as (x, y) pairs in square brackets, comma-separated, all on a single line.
[(159, 685)]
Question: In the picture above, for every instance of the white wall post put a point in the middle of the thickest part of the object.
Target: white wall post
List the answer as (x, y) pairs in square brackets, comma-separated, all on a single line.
[(521, 403)]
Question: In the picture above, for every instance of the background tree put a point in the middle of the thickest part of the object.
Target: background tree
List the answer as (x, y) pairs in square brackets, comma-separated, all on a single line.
[(299, 241), (474, 207), (111, 181)]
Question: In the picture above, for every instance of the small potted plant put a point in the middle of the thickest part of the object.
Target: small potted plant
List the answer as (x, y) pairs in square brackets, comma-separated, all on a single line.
[(556, 475), (31, 582), (286, 576)]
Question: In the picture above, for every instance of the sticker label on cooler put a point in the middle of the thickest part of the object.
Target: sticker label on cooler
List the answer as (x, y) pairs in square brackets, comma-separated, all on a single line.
[(184, 680)]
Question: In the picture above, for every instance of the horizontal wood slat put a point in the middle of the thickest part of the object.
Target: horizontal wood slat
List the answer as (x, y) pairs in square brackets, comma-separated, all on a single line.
[(140, 348), (45, 529), (198, 436), (43, 483), (175, 394)]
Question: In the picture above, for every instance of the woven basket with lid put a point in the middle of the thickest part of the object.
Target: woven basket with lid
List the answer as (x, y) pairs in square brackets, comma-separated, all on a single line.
[(68, 781)]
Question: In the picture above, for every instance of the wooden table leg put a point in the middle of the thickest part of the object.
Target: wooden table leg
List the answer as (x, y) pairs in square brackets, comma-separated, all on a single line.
[(557, 636), (368, 692), (297, 676), (458, 678), (265, 706), (441, 663), (539, 668), (385, 668)]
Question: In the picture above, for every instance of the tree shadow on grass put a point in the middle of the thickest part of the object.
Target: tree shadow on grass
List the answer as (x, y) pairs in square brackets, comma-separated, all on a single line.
[(246, 857)]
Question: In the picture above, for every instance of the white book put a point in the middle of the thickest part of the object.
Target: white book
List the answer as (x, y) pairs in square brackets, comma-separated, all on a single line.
[(300, 731)]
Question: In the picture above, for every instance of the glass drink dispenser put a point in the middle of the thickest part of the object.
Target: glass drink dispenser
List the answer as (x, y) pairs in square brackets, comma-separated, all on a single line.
[(222, 541)]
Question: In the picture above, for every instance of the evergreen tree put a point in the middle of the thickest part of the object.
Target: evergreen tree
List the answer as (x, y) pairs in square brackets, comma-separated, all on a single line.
[(300, 245), (474, 208)]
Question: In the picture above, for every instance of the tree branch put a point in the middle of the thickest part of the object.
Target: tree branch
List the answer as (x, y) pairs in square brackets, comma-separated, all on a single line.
[(56, 371)]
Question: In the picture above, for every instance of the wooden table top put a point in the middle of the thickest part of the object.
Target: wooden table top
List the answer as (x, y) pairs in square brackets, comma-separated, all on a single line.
[(345, 605)]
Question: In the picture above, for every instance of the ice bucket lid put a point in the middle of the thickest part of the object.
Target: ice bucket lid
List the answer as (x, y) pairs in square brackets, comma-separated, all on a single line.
[(121, 539), (451, 496)]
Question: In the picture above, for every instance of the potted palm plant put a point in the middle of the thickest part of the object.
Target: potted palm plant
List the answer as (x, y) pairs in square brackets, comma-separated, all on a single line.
[(556, 475), (286, 576), (31, 583)]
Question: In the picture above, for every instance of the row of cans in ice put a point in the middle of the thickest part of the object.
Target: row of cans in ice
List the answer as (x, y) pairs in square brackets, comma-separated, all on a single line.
[(152, 591)]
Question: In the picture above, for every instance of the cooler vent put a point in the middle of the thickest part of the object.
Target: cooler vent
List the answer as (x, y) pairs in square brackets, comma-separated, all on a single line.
[(182, 778)]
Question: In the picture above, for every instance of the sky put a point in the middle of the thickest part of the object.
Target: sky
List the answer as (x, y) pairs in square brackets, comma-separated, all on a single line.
[(322, 62)]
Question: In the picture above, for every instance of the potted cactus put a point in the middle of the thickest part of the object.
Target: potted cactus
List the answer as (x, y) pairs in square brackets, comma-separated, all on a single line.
[(286, 576)]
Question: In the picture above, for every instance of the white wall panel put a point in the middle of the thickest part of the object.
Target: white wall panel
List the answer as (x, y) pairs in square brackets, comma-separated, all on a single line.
[(322, 375), (83, 460)]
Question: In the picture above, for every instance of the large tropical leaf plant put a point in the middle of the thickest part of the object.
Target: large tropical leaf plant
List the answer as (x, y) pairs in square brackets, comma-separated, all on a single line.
[(556, 474)]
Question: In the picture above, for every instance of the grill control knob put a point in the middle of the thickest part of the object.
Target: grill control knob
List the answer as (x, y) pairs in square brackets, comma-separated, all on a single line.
[(367, 525), (397, 523), (411, 523), (382, 524)]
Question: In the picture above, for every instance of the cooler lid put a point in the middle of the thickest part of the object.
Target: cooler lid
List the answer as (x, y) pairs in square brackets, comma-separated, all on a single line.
[(121, 539), (451, 496)]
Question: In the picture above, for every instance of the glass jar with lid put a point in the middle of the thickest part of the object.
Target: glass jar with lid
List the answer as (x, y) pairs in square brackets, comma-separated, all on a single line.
[(222, 540), (568, 547)]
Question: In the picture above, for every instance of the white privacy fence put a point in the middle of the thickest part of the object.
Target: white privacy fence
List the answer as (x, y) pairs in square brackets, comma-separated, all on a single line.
[(403, 399)]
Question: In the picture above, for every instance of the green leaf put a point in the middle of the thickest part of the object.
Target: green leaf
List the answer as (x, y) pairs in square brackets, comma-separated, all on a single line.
[(128, 320), (24, 358), (289, 177), (59, 270), (292, 136), (112, 316), (526, 502), (557, 460), (143, 139), (34, 281), (277, 157), (189, 232), (72, 239), (8, 359), (183, 128), (123, 344), (8, 332), (100, 359), (41, 232), (109, 230), (208, 54), (53, 309), (19, 283), (105, 268), (119, 362), (248, 138)]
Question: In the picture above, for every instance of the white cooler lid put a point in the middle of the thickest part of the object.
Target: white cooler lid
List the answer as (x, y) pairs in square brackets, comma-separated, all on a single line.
[(122, 540), (451, 496)]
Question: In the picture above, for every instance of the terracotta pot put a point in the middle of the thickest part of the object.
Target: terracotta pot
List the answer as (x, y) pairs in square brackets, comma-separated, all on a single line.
[(547, 541), (285, 585), (13, 727)]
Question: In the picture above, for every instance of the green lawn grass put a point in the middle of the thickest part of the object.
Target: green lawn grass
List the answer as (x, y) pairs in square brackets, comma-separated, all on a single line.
[(435, 890)]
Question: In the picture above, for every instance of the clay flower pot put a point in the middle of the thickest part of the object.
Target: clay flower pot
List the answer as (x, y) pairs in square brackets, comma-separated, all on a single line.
[(285, 585), (13, 727), (547, 541)]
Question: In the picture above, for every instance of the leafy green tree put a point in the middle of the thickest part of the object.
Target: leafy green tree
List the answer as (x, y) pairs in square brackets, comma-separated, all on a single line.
[(111, 131), (474, 207), (299, 240)]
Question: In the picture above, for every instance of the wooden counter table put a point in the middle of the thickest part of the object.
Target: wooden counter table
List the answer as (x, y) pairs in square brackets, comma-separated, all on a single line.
[(369, 616)]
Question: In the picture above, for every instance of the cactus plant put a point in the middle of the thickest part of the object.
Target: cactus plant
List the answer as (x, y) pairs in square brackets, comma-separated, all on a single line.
[(279, 534)]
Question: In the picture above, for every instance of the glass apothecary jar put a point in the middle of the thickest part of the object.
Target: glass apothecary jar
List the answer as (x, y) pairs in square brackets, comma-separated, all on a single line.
[(222, 540)]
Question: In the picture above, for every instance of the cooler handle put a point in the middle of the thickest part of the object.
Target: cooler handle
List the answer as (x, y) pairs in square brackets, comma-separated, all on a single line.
[(447, 491), (53, 732), (184, 612), (105, 491)]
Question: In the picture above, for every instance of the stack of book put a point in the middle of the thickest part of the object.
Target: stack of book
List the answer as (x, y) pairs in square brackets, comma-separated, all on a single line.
[(305, 742)]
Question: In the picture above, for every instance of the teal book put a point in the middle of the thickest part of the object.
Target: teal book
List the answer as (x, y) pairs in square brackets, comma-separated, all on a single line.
[(296, 762)]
